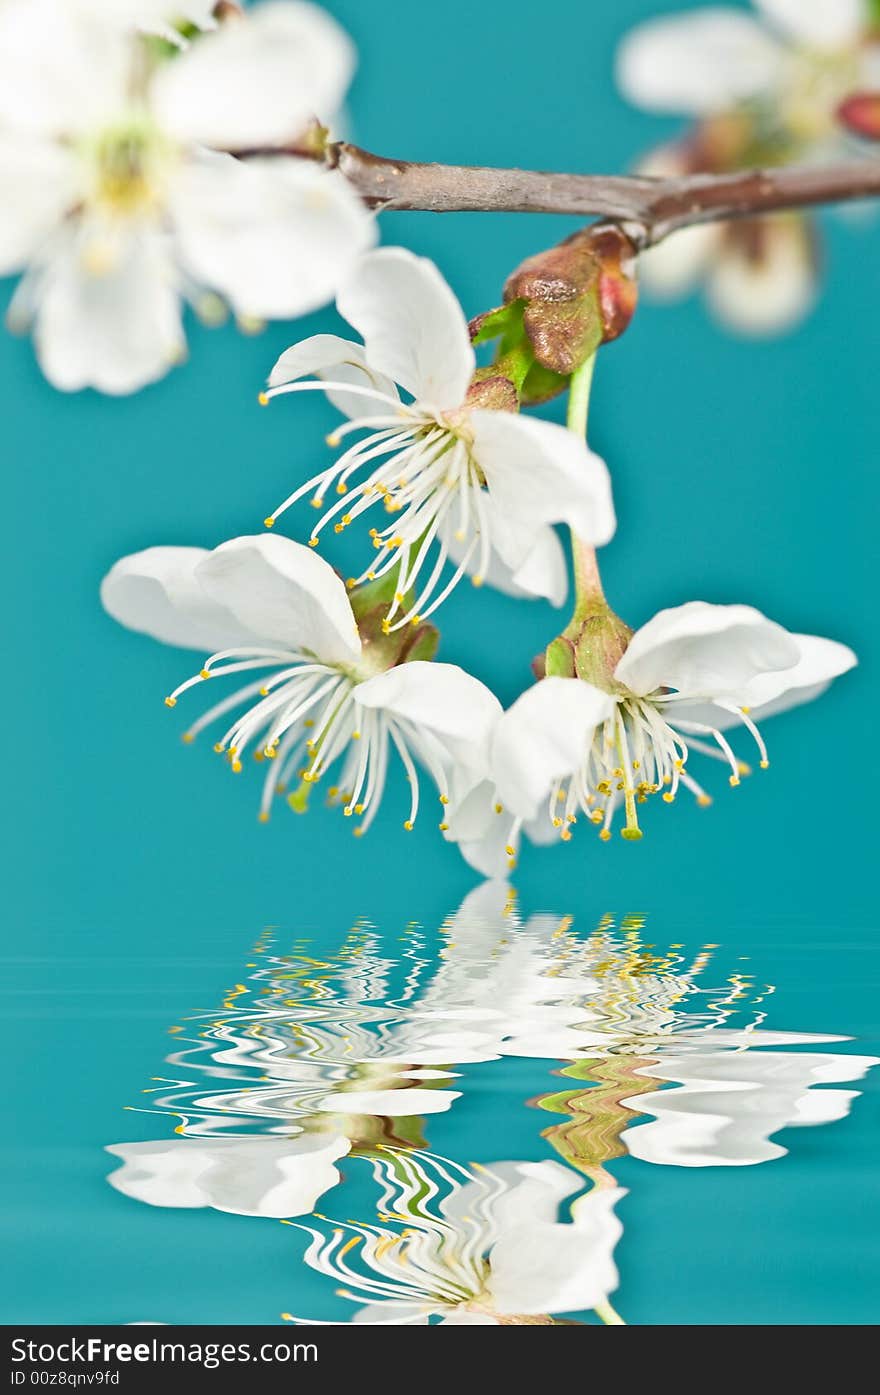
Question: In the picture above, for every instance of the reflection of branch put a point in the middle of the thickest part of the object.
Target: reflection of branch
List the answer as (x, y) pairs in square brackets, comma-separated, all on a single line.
[(651, 209)]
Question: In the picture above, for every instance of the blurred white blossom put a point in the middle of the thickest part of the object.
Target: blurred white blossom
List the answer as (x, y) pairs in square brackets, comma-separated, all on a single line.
[(763, 89), (120, 203)]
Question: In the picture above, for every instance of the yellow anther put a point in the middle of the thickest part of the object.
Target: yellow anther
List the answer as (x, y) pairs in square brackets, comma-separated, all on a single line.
[(734, 781), (355, 736), (269, 522), (263, 399), (358, 832), (219, 747), (565, 835), (263, 816), (332, 791), (317, 502), (408, 825), (499, 808), (171, 702), (605, 835), (765, 765), (443, 827), (341, 488), (745, 711), (668, 798), (188, 737), (205, 673), (597, 817), (333, 439), (632, 835), (339, 527), (415, 619), (281, 788), (359, 809), (511, 852), (386, 627), (348, 811), (444, 798), (270, 752), (313, 541), (236, 766), (704, 800), (557, 823), (477, 580), (258, 756)]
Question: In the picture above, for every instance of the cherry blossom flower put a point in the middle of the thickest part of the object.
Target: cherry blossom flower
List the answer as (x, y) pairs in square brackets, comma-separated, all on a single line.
[(482, 487), (477, 1246), (567, 749), (766, 89), (267, 606), (121, 204)]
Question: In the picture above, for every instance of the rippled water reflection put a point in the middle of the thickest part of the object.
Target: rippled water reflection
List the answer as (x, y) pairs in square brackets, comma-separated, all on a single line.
[(316, 1081)]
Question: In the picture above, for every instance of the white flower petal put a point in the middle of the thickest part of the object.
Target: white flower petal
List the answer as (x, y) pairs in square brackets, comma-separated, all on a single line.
[(764, 279), (244, 1176), (728, 1104), (530, 1192), (39, 183), (156, 593), (542, 572), (821, 661), (413, 328), (258, 81), (697, 63), (442, 699), (822, 23), (392, 1104), (544, 737), (341, 360), (392, 1313), (275, 237), (540, 473), (678, 263), (64, 70), (705, 650), (109, 309), (284, 592), (539, 1267)]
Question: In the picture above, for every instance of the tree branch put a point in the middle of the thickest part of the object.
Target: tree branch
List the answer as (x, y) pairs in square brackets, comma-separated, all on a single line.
[(649, 209)]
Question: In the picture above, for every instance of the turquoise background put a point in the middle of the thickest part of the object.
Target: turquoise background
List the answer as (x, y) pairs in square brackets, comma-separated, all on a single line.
[(136, 872)]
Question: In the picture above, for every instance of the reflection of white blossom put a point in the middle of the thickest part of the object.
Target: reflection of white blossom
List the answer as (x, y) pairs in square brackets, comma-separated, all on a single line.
[(479, 1246), (728, 1103), (247, 1176)]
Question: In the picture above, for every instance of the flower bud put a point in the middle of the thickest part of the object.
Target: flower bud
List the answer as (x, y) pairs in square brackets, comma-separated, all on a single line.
[(575, 296), (860, 114), (590, 648)]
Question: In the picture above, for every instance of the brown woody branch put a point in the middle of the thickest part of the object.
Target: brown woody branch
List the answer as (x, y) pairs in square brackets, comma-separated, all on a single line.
[(649, 209)]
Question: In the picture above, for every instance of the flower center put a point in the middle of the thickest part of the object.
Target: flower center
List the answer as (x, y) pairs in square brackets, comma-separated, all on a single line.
[(127, 164), (642, 749), (420, 469), (304, 717)]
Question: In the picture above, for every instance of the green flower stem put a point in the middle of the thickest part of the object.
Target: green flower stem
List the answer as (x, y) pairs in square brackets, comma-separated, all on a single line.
[(587, 581), (608, 1315)]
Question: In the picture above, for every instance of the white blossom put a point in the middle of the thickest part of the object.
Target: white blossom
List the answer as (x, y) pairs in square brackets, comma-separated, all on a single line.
[(267, 606), (120, 204), (461, 482)]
